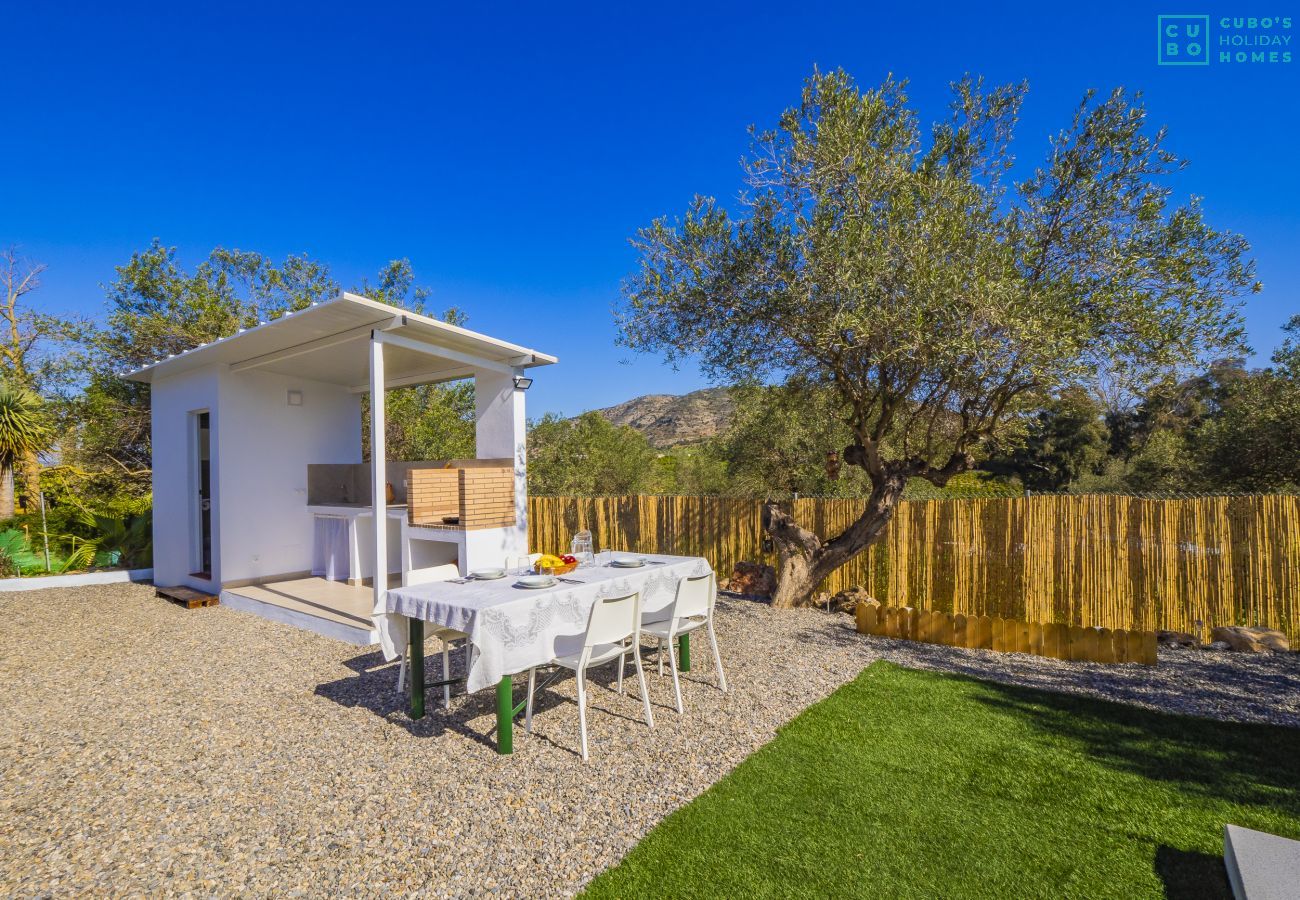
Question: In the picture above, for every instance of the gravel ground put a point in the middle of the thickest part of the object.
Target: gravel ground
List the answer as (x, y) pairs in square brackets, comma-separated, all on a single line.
[(148, 749)]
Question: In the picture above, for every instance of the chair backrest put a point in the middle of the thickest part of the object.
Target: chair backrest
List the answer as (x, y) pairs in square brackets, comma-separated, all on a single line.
[(695, 596), (436, 573), (613, 619)]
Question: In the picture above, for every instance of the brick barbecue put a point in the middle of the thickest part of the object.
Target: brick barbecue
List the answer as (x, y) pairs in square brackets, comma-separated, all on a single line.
[(467, 499)]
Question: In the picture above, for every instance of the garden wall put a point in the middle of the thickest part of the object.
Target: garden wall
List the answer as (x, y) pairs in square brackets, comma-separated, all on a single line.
[(1096, 560)]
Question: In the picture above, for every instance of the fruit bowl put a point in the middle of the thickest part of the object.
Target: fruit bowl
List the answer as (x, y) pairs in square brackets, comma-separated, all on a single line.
[(563, 569), (555, 565)]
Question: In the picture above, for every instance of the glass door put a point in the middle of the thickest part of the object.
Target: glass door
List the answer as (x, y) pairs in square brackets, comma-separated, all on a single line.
[(203, 494)]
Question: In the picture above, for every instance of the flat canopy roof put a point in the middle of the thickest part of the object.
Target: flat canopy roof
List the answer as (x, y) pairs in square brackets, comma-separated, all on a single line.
[(330, 342)]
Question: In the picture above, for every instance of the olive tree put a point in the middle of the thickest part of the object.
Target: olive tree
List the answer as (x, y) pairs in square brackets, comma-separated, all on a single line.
[(938, 299)]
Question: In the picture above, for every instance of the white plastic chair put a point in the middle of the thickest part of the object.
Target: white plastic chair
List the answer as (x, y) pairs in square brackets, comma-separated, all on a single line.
[(446, 635), (692, 608), (611, 634)]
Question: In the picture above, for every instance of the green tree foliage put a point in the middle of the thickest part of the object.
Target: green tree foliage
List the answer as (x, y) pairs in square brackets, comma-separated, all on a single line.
[(587, 456), (778, 441), (689, 470), (1286, 358), (1229, 429), (775, 446), (937, 303), (1252, 444), (157, 308), (430, 422), (395, 285), (1175, 405), (1064, 441)]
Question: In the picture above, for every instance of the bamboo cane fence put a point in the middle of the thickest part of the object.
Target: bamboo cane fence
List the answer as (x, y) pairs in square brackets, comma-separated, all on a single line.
[(1103, 561)]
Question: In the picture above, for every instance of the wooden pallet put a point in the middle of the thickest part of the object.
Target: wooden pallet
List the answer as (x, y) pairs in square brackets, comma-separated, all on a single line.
[(187, 596)]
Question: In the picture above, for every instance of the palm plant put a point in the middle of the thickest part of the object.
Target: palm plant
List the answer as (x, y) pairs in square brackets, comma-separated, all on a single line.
[(125, 541), (23, 432), (19, 557)]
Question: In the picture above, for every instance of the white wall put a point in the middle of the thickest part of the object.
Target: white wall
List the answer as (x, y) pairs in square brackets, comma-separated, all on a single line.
[(174, 400), (264, 445), (500, 431), (487, 548)]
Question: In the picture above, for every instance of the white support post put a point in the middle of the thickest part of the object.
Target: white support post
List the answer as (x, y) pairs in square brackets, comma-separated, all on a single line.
[(378, 473)]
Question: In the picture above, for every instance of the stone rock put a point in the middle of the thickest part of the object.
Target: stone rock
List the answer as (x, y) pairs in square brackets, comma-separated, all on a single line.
[(847, 601), (751, 580), (1218, 645), (1175, 639), (1251, 640)]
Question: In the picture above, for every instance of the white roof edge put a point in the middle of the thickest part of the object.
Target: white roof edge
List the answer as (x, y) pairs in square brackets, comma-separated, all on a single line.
[(542, 359), (386, 311)]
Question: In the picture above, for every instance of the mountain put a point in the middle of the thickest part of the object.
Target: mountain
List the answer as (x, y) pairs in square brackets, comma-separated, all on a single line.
[(668, 419)]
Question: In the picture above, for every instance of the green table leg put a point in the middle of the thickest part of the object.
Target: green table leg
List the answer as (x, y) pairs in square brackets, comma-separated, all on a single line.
[(505, 716), (415, 668), (684, 652)]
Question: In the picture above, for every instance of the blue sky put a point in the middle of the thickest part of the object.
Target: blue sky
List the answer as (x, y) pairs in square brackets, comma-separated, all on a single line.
[(510, 150)]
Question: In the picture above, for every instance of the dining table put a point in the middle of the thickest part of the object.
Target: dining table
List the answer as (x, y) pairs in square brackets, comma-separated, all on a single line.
[(513, 628)]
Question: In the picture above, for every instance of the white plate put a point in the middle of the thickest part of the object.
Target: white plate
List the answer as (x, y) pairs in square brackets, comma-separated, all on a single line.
[(628, 562), (487, 574), (537, 581)]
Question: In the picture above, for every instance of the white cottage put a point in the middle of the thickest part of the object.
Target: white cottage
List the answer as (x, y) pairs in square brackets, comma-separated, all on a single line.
[(260, 491)]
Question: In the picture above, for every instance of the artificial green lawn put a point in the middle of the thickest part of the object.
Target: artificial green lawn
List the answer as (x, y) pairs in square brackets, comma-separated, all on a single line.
[(915, 784)]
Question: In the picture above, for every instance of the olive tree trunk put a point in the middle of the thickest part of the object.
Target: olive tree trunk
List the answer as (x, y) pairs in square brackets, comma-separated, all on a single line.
[(806, 560)]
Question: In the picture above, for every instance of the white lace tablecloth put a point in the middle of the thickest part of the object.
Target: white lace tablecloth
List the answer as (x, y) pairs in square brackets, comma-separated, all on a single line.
[(514, 628)]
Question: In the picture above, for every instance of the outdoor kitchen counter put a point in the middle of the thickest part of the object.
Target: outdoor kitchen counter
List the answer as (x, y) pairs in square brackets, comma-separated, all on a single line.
[(353, 510), (343, 540)]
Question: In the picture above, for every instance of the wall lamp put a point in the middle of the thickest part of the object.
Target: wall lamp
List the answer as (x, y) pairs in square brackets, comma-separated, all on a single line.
[(523, 382)]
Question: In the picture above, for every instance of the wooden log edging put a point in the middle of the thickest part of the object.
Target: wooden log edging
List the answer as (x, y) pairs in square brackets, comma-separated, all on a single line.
[(1109, 646)]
